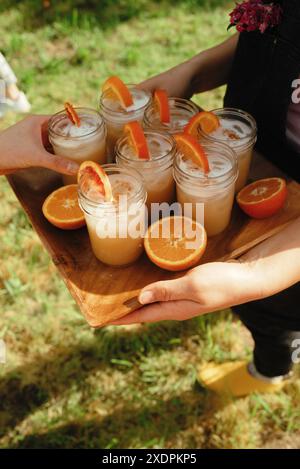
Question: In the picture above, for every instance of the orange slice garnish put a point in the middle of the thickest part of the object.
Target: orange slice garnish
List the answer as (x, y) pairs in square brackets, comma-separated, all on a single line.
[(61, 208), (117, 90), (161, 103), (92, 178), (137, 139), (175, 243), (192, 149), (72, 114), (263, 198), (205, 121)]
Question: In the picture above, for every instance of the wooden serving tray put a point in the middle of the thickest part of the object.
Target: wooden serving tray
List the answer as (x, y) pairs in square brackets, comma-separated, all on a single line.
[(105, 293)]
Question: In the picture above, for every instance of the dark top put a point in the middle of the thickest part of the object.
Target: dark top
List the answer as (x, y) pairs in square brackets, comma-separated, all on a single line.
[(260, 82)]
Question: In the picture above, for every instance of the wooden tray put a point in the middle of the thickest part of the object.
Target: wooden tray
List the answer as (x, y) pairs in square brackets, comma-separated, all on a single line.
[(105, 293)]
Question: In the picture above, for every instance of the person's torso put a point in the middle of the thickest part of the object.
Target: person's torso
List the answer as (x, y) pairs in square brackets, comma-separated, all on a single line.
[(264, 69)]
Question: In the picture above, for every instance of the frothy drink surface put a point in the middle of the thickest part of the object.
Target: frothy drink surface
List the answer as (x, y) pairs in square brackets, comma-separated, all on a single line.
[(218, 164), (158, 147), (231, 131), (140, 99)]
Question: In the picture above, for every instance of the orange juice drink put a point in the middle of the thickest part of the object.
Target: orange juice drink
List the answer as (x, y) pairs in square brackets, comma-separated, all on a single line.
[(86, 142), (181, 111), (116, 228), (116, 116), (238, 130), (213, 191), (157, 172)]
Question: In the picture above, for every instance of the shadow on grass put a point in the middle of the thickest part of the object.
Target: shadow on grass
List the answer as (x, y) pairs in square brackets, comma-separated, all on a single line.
[(26, 388), (90, 13), (128, 426)]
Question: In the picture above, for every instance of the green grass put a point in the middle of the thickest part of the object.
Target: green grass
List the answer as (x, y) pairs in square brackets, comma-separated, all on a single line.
[(65, 385)]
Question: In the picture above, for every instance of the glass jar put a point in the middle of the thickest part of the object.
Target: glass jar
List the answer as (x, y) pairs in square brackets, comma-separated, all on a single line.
[(83, 143), (116, 116), (212, 192), (116, 229), (238, 130), (181, 111), (157, 172)]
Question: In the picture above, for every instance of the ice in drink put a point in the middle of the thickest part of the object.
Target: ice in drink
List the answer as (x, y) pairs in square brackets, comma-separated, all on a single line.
[(238, 130), (116, 116), (116, 228), (181, 111), (157, 172), (86, 142), (214, 190)]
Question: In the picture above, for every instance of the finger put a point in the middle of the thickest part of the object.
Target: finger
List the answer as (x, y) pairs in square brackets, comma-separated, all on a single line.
[(59, 164), (171, 310), (169, 290), (44, 133)]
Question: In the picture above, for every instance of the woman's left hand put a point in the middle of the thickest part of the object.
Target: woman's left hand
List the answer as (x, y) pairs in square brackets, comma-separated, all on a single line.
[(204, 289)]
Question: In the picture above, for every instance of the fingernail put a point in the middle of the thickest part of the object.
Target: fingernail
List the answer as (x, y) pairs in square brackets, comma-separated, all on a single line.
[(146, 297), (73, 167)]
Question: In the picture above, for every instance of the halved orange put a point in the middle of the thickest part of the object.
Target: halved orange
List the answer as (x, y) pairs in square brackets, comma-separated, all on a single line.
[(161, 102), (72, 114), (175, 243), (137, 139), (192, 149), (205, 121), (92, 177), (117, 89), (61, 208), (263, 198)]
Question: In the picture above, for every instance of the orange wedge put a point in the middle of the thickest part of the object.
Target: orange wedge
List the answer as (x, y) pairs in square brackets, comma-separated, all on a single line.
[(161, 102), (192, 149), (72, 114), (175, 243), (92, 177), (137, 139), (205, 121), (61, 208), (118, 90), (263, 198)]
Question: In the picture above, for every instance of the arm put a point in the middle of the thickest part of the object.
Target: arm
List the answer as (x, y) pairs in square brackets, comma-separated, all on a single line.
[(267, 269), (23, 146), (203, 72)]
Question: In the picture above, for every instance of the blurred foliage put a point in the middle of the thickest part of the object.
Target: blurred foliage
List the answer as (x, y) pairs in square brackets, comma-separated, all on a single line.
[(92, 12)]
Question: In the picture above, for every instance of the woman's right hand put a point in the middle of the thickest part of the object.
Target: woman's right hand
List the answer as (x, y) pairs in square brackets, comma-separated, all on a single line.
[(24, 144)]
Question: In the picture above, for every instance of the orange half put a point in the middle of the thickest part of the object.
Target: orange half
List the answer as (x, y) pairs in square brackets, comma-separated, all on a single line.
[(161, 103), (205, 121), (175, 243), (117, 90), (263, 198), (192, 149), (61, 208), (72, 114), (137, 139)]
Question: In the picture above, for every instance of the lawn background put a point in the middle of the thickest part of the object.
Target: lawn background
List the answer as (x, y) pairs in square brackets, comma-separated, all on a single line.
[(65, 385)]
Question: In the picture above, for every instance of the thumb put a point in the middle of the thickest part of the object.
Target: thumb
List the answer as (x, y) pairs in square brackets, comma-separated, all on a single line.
[(169, 290), (59, 163)]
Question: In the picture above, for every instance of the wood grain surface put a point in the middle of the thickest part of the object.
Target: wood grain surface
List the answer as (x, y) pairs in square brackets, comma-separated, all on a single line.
[(105, 293)]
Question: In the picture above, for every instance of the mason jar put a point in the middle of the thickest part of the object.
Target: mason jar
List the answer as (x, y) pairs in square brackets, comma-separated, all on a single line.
[(86, 142), (157, 172), (116, 228), (209, 196), (181, 111), (116, 116), (238, 130)]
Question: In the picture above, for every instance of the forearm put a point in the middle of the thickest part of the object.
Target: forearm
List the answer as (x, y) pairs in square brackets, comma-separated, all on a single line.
[(211, 67), (276, 261)]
